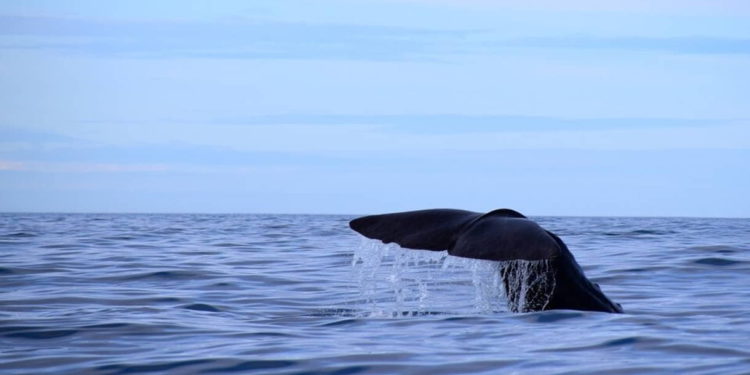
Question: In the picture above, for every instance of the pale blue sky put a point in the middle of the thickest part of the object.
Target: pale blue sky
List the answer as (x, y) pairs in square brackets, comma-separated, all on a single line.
[(548, 107)]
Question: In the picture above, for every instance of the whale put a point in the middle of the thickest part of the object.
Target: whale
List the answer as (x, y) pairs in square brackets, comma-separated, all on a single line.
[(538, 270)]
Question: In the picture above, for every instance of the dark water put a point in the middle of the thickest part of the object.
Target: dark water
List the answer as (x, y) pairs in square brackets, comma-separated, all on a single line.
[(286, 294)]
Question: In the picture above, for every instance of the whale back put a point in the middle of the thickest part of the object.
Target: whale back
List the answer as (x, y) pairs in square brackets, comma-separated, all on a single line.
[(573, 289)]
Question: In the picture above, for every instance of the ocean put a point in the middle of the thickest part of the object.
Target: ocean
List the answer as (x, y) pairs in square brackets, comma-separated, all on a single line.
[(303, 294)]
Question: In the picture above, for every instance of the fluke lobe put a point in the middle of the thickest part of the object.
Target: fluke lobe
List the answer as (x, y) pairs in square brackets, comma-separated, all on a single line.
[(538, 270)]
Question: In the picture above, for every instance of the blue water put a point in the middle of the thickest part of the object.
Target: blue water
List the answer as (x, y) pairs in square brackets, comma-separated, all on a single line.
[(302, 294)]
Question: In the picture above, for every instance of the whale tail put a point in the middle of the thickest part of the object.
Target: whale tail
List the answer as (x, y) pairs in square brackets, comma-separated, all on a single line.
[(499, 235), (556, 281), (426, 229)]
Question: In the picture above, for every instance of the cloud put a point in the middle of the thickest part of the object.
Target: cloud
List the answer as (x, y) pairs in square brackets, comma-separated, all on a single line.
[(246, 39), (299, 138), (229, 39), (661, 6), (7, 165), (82, 167), (459, 123), (688, 45)]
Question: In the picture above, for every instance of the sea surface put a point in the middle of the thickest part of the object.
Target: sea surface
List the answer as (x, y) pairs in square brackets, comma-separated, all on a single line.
[(303, 294)]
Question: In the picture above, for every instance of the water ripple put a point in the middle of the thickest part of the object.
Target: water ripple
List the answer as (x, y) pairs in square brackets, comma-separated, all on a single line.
[(300, 294), (201, 307), (716, 261)]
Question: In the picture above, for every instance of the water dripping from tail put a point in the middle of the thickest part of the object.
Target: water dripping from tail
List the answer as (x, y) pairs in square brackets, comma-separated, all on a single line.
[(397, 282), (528, 285)]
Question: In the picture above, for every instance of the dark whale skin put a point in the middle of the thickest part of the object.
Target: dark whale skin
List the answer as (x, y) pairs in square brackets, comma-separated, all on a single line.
[(499, 235)]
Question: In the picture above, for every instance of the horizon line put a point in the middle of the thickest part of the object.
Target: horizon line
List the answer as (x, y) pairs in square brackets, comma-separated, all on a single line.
[(338, 214)]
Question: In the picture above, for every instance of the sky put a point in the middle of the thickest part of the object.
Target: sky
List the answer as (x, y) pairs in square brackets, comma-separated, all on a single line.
[(575, 108)]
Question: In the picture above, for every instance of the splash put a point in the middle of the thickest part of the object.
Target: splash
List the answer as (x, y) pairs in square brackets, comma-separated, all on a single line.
[(398, 282), (528, 284), (394, 281)]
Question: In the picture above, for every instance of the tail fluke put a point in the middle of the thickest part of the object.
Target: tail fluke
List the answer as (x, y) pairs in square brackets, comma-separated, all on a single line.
[(498, 235), (435, 229)]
